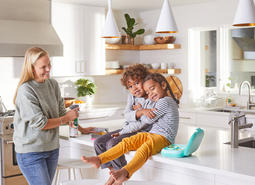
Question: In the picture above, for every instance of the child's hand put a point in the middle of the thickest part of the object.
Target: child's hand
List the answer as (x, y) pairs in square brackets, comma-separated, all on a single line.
[(149, 113), (115, 135), (87, 130), (138, 106)]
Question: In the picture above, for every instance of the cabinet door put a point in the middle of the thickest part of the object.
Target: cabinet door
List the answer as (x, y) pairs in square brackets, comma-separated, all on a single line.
[(250, 118), (213, 119), (186, 117), (79, 28)]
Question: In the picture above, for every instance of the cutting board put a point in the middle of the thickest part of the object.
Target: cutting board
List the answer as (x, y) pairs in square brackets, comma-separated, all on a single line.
[(176, 86)]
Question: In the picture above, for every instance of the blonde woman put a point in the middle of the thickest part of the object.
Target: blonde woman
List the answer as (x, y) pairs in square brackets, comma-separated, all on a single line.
[(39, 112)]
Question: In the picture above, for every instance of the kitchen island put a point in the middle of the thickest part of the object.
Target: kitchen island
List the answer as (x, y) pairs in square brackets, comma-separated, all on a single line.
[(214, 163)]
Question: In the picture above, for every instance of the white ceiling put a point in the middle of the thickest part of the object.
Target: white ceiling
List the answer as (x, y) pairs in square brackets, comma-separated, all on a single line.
[(132, 4)]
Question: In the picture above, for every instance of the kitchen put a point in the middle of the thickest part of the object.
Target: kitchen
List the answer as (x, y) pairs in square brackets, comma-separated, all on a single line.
[(204, 14)]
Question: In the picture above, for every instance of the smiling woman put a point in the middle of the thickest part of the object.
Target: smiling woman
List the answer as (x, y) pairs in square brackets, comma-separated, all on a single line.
[(41, 69), (39, 112)]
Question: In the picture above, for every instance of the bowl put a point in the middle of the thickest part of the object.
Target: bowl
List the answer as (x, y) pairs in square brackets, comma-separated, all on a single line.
[(112, 40), (165, 40), (155, 65), (68, 101)]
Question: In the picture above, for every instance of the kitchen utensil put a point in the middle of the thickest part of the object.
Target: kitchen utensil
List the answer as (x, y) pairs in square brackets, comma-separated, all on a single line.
[(176, 86)]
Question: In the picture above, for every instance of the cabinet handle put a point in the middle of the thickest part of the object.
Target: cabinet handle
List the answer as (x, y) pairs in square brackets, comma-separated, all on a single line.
[(9, 142), (185, 117)]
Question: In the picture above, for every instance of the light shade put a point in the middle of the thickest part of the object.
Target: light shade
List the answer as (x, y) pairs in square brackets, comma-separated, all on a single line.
[(245, 13), (166, 22), (110, 28)]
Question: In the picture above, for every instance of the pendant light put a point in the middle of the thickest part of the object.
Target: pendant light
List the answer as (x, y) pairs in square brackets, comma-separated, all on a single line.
[(166, 22), (110, 28), (245, 13)]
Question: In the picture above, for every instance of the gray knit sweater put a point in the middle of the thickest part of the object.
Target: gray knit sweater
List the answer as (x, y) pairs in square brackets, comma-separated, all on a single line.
[(35, 104)]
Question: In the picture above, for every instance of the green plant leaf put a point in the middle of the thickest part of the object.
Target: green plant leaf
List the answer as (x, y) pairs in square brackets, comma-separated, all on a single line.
[(125, 30), (85, 87), (131, 23), (127, 17), (139, 32), (130, 26)]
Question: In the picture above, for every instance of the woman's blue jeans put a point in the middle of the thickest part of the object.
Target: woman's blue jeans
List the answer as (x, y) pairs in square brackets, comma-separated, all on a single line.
[(38, 167)]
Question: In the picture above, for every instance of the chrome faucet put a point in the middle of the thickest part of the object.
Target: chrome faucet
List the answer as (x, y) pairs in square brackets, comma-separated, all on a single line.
[(235, 129), (249, 103)]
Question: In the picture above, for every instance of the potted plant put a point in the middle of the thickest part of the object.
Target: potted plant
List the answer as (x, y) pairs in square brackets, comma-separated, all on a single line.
[(129, 29), (85, 88)]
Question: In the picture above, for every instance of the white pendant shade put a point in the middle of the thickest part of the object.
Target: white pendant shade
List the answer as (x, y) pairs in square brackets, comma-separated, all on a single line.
[(245, 13), (166, 22), (110, 29)]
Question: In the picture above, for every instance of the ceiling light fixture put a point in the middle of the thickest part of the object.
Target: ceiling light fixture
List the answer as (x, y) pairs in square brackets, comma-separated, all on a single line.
[(166, 22), (245, 13), (110, 29)]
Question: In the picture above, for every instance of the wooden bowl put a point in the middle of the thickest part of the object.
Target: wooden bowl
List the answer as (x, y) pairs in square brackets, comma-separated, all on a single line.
[(164, 40), (68, 101)]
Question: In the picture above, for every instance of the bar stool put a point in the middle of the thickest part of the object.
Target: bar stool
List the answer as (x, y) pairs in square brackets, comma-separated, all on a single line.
[(70, 165), (100, 182)]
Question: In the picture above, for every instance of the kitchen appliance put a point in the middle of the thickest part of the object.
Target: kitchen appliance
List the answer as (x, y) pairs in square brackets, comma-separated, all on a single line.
[(245, 39), (2, 106), (28, 27), (10, 172)]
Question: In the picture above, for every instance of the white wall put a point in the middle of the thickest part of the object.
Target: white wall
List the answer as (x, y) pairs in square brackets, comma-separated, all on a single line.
[(208, 14), (212, 13), (109, 90)]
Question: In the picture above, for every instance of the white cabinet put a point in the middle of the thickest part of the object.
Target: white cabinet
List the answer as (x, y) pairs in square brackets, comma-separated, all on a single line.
[(187, 116), (206, 118), (212, 119), (79, 28), (231, 180)]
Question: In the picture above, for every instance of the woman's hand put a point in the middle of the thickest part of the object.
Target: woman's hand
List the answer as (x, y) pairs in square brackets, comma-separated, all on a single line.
[(71, 115), (115, 135)]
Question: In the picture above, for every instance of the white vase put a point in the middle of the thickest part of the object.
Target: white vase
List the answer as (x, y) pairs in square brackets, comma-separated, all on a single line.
[(148, 39), (88, 100)]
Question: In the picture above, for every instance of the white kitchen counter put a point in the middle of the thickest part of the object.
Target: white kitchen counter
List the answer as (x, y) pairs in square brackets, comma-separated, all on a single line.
[(212, 157), (101, 111)]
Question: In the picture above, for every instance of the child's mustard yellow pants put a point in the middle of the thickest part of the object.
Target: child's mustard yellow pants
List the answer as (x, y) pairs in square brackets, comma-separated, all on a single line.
[(146, 144)]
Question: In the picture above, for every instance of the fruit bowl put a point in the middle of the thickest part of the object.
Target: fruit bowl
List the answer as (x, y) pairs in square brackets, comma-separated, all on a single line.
[(165, 40)]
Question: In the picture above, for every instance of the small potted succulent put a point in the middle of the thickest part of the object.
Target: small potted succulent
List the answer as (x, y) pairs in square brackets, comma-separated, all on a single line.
[(85, 88), (129, 29)]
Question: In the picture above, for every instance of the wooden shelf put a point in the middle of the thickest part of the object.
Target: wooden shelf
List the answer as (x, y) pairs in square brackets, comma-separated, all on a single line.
[(163, 71), (141, 47)]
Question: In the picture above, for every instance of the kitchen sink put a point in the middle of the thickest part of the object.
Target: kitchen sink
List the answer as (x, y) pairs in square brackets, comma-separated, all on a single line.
[(233, 109), (220, 110), (247, 142)]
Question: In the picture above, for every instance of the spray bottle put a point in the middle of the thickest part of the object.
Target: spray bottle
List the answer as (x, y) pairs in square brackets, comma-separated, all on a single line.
[(73, 125)]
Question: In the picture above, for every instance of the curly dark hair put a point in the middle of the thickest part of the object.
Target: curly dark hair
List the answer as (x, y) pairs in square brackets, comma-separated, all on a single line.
[(160, 78), (135, 72)]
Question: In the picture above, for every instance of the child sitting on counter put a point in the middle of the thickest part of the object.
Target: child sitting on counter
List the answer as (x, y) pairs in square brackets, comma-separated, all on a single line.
[(132, 79), (163, 131)]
